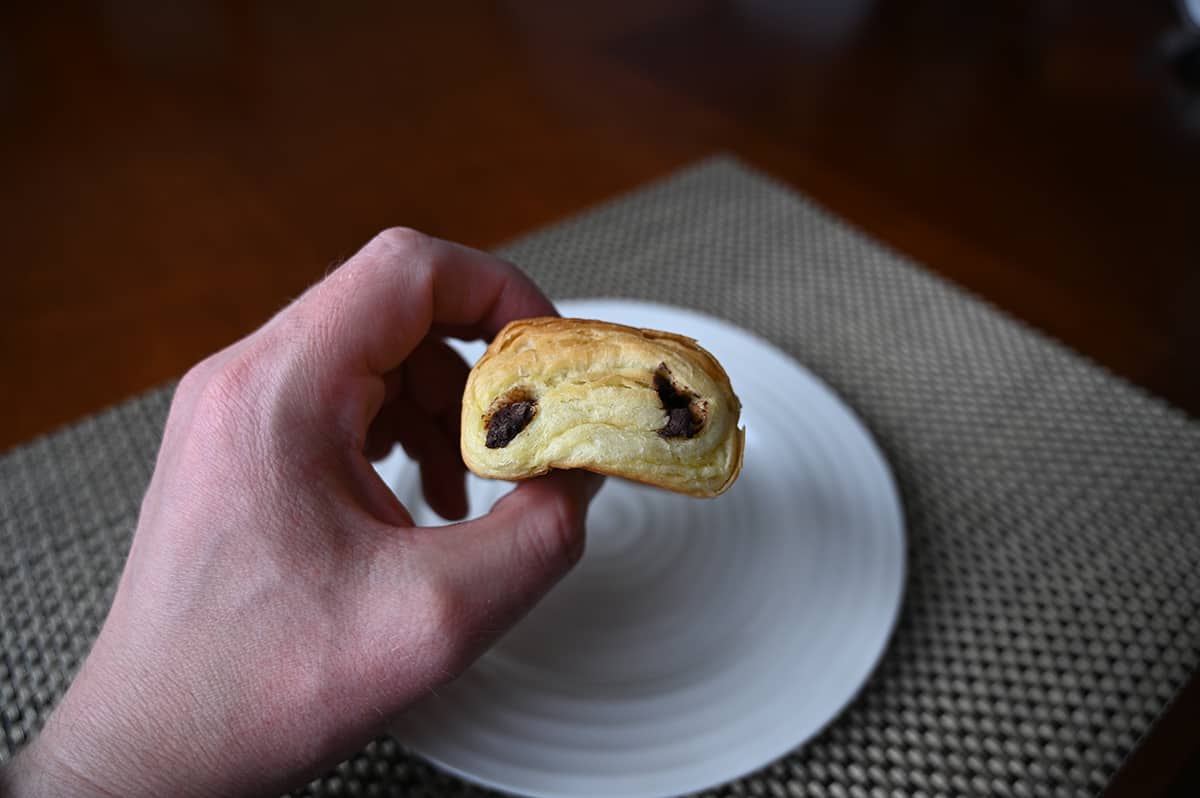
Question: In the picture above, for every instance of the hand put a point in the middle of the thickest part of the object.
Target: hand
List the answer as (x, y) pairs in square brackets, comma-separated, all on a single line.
[(278, 606)]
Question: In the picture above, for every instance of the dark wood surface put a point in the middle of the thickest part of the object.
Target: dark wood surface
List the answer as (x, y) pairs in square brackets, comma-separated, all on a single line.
[(174, 173)]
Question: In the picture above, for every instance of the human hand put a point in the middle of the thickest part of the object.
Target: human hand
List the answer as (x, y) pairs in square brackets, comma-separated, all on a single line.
[(278, 606)]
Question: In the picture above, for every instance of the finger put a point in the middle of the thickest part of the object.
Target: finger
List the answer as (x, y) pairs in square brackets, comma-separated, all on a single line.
[(373, 311), (434, 377), (444, 486), (384, 430), (443, 475), (431, 381), (422, 413), (499, 565)]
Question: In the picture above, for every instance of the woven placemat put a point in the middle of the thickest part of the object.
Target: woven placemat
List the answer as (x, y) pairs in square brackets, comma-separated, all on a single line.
[(1053, 603)]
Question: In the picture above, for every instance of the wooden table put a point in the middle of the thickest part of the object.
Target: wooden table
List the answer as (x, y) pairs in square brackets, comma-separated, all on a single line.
[(174, 173)]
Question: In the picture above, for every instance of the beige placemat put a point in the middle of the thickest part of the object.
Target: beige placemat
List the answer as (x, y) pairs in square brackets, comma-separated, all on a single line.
[(1053, 606)]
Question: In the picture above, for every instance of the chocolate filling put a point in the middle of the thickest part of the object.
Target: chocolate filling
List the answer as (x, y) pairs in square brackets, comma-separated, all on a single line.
[(684, 418), (680, 423), (507, 421)]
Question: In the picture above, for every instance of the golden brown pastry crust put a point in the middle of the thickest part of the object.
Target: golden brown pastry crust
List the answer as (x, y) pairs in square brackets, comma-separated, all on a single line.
[(646, 405)]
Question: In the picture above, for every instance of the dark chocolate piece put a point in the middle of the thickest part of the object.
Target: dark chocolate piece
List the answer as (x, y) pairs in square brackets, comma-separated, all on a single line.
[(680, 423), (507, 422), (684, 419)]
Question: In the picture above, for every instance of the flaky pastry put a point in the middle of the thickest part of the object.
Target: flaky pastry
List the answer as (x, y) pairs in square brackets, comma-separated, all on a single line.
[(645, 405)]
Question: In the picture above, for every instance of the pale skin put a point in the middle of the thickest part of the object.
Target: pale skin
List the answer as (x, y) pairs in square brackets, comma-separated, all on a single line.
[(278, 607)]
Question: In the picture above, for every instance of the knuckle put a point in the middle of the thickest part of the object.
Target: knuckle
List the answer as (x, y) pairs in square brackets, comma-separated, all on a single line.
[(403, 241), (396, 250), (214, 427), (225, 395), (229, 384), (190, 385), (193, 381)]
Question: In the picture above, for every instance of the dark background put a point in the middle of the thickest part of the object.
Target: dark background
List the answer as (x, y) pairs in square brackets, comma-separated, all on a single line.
[(174, 173)]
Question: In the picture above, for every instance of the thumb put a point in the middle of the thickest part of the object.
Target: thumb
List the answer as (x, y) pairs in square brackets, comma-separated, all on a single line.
[(498, 566)]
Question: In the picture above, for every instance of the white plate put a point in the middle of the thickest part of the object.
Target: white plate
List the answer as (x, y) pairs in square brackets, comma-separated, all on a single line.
[(697, 640)]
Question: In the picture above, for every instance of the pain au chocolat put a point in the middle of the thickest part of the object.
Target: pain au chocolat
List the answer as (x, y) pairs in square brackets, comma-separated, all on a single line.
[(645, 405)]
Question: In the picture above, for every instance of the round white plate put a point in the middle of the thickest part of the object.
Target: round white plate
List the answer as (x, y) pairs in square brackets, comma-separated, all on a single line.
[(697, 640)]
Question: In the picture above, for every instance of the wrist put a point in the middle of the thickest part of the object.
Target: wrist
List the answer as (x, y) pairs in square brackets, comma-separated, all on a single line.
[(38, 771), (74, 754)]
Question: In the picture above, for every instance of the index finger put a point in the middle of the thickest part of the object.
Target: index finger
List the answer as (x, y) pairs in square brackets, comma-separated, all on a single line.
[(370, 313)]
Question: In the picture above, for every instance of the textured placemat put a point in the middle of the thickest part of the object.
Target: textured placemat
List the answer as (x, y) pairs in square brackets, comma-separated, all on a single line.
[(1053, 606)]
